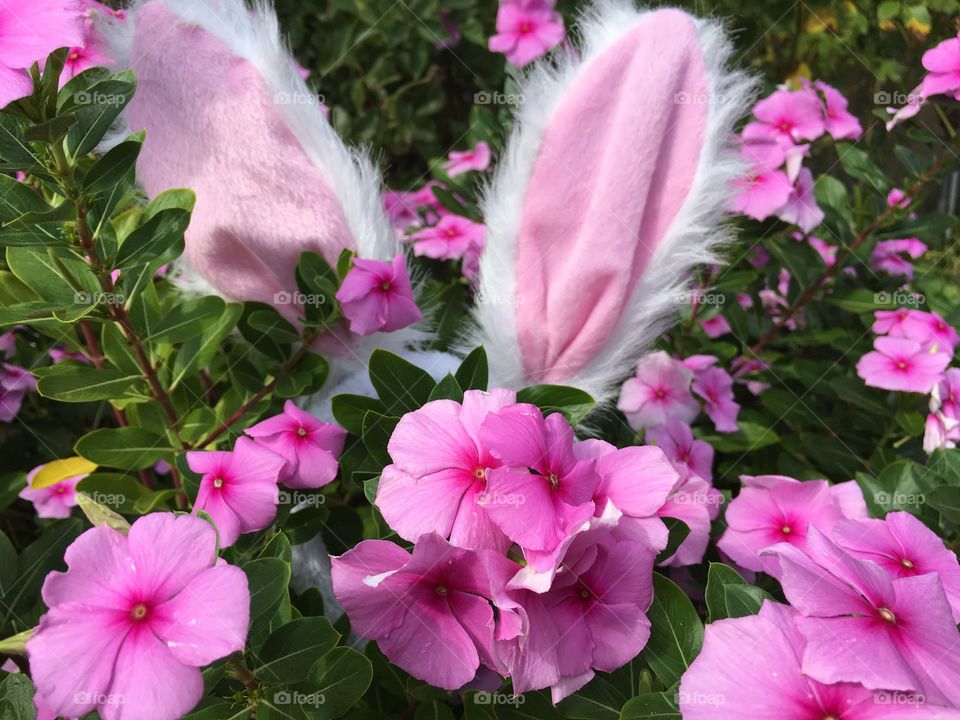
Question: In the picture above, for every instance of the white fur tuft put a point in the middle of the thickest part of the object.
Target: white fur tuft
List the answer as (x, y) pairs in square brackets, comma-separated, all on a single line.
[(693, 237)]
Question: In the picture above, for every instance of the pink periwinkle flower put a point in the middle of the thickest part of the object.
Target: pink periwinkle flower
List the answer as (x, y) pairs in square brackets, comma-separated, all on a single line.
[(89, 54), (762, 193), (55, 501), (468, 160), (789, 116), (526, 29), (15, 383), (310, 446), (715, 386), (927, 328), (904, 547), (943, 422), (752, 668), (438, 477), (744, 301), (688, 456), (888, 255), (759, 257), (660, 390), (898, 198), (449, 239), (902, 365), (716, 326), (771, 509), (801, 208), (432, 612), (376, 296), (134, 618), (863, 626), (29, 31), (400, 209), (8, 344), (239, 488), (826, 251), (541, 491), (915, 102), (839, 122), (943, 65)]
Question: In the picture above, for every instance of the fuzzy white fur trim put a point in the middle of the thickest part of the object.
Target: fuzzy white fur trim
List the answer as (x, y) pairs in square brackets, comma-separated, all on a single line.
[(692, 239)]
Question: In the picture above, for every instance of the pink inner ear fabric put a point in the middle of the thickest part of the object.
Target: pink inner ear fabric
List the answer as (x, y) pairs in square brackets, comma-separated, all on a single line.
[(213, 126), (616, 163)]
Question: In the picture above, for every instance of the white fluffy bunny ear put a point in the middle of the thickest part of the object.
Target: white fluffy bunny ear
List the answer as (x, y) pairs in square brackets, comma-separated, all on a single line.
[(228, 115), (610, 191)]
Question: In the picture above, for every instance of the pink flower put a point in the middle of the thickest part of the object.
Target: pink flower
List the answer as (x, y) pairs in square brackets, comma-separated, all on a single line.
[(541, 491), (744, 300), (696, 503), (826, 251), (660, 390), (773, 509), (438, 478), (716, 326), (15, 383), (898, 198), (839, 122), (310, 447), (400, 209), (29, 31), (801, 208), (238, 489), (461, 162), (526, 30), (751, 668), (715, 386), (903, 365), (928, 329), (449, 239), (55, 501), (940, 432), (888, 255), (8, 344), (860, 625), (762, 193), (943, 62), (134, 619), (593, 617), (430, 613), (689, 457), (904, 547), (942, 428), (915, 102), (84, 57), (376, 296), (789, 117), (759, 257)]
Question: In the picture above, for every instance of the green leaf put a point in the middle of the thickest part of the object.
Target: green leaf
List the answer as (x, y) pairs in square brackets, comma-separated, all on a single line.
[(743, 600), (447, 389), (859, 165), (158, 240), (198, 352), (340, 679), (118, 492), (154, 500), (318, 285), (401, 385), (8, 564), (65, 280), (127, 448), (862, 300), (264, 328), (174, 199), (348, 410), (16, 698), (96, 110), (268, 579), (473, 372), (677, 532), (291, 650), (946, 501), (718, 577), (377, 430), (99, 514), (187, 320), (72, 383), (112, 168), (676, 632), (574, 404), (652, 705)]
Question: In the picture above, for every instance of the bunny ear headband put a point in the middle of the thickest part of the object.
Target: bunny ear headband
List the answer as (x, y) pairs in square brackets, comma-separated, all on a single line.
[(610, 190)]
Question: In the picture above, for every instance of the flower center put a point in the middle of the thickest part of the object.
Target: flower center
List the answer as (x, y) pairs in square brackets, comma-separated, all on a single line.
[(480, 473), (661, 393), (554, 480), (786, 529), (584, 594), (441, 590), (73, 55), (907, 564), (525, 27), (887, 615), (385, 286), (139, 612), (902, 365), (785, 126), (301, 432), (451, 233), (218, 482)]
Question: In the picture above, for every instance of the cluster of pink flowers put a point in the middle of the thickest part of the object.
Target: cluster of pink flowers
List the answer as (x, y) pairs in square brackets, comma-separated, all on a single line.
[(526, 29), (893, 256), (870, 631), (910, 353), (134, 618), (239, 488), (775, 144), (533, 552)]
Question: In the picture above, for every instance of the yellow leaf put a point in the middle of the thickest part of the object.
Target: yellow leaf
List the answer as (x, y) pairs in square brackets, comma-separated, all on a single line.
[(98, 514), (918, 27), (60, 470)]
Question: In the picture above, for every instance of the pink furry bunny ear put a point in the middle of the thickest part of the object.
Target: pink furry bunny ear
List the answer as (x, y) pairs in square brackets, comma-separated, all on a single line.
[(228, 115), (610, 191)]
